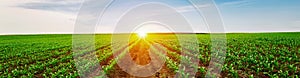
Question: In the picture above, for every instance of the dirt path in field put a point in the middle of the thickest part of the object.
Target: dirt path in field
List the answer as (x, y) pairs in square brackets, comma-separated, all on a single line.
[(140, 55)]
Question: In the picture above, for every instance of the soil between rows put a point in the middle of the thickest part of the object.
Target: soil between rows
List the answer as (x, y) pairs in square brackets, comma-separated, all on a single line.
[(139, 54)]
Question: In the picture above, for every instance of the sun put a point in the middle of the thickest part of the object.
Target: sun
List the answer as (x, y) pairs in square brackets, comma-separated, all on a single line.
[(142, 34)]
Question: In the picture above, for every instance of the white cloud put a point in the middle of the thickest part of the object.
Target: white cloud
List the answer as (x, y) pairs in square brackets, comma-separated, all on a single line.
[(69, 6), (237, 3), (190, 8), (19, 20)]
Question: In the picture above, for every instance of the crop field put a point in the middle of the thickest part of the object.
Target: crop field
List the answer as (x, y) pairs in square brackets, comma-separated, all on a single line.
[(253, 55)]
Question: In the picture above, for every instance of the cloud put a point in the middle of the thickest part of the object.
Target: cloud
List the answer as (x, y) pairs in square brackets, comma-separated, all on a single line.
[(190, 8), (18, 20), (237, 3), (70, 6), (74, 5)]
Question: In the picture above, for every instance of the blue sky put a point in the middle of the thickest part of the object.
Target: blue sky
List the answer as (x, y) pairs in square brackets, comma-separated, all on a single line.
[(59, 16), (261, 15)]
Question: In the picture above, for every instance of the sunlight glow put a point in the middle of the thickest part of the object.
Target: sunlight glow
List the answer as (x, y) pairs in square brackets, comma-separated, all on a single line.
[(142, 34)]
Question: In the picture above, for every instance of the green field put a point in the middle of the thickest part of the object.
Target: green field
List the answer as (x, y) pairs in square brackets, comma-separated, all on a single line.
[(248, 55)]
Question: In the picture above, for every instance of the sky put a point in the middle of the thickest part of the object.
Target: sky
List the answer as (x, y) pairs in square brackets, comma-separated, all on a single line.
[(59, 16)]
